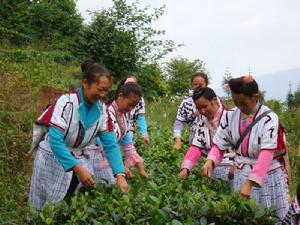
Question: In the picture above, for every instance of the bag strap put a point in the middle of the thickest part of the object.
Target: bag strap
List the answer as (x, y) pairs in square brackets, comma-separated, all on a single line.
[(237, 145)]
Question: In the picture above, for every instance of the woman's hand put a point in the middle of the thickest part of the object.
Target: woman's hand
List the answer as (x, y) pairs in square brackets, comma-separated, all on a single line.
[(208, 168), (178, 143), (146, 140), (184, 173), (84, 176), (128, 173), (122, 183), (29, 153), (246, 189)]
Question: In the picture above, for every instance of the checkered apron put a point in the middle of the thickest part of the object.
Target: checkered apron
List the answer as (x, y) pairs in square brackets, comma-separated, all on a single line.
[(273, 192), (221, 172), (48, 187), (101, 174)]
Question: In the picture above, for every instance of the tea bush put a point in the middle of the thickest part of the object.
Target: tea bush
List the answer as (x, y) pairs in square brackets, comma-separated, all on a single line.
[(161, 199)]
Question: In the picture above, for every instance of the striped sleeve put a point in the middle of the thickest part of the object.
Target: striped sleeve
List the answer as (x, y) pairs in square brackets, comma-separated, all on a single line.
[(60, 113), (60, 150), (112, 151), (221, 137), (270, 132)]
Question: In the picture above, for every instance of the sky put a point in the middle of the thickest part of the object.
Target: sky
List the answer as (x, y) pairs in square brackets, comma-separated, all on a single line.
[(261, 36)]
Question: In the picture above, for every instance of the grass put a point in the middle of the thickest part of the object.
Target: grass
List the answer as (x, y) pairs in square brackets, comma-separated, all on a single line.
[(19, 85)]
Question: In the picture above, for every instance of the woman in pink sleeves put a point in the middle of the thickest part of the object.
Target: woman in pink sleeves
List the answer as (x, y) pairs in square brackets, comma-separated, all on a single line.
[(127, 97), (259, 159), (204, 126), (187, 111)]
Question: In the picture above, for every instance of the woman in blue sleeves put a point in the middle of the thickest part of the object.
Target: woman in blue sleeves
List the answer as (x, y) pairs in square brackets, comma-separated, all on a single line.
[(73, 122), (137, 115)]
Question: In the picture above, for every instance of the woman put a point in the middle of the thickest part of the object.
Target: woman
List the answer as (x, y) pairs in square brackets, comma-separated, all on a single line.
[(62, 159), (205, 125), (127, 97), (260, 167), (137, 114), (187, 110), (101, 168)]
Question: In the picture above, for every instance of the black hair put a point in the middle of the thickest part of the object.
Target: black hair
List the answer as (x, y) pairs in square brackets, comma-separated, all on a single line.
[(92, 72), (244, 85), (128, 88), (124, 80), (206, 92), (200, 74), (86, 63)]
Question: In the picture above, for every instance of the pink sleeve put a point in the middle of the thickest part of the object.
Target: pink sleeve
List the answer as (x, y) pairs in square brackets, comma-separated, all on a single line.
[(261, 167), (191, 157), (216, 155)]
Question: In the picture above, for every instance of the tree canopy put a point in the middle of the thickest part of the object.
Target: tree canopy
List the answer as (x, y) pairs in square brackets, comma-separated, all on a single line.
[(122, 38), (179, 71)]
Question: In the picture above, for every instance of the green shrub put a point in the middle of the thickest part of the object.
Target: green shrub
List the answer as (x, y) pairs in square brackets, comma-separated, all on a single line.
[(161, 199), (13, 37), (22, 56)]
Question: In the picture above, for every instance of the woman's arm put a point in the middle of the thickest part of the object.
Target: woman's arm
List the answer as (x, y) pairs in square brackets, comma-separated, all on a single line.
[(60, 150), (112, 151)]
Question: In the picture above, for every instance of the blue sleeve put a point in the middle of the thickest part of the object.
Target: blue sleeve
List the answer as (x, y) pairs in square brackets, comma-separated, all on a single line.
[(178, 128), (98, 142), (141, 123), (127, 139), (60, 150), (112, 151)]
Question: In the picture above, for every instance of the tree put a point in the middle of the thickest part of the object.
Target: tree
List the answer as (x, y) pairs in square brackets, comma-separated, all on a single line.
[(297, 97), (227, 77), (290, 97), (54, 24), (14, 22), (106, 44), (149, 41), (275, 105), (122, 38), (13, 14), (152, 80), (179, 71), (57, 23)]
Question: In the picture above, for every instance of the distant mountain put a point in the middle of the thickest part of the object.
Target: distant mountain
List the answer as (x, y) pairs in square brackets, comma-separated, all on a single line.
[(276, 85)]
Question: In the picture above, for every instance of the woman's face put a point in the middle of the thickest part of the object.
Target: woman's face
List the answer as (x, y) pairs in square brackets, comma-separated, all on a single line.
[(245, 103), (97, 90), (127, 103), (206, 107), (198, 82)]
